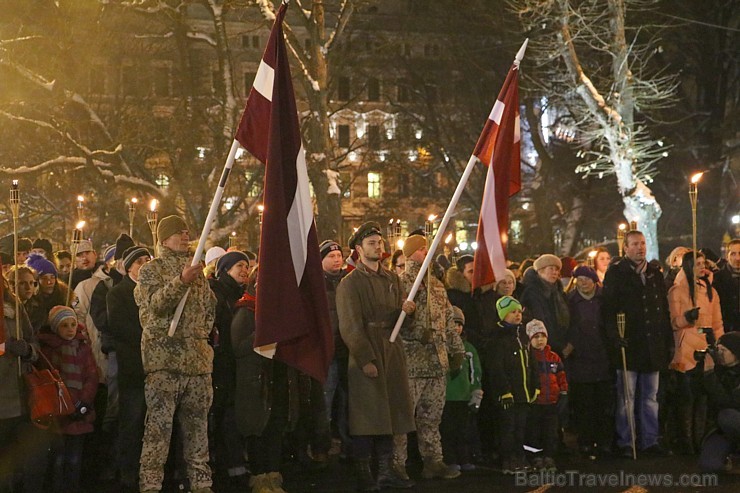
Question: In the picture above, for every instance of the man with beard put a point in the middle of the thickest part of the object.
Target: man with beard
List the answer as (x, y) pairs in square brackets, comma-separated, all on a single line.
[(727, 284), (178, 368)]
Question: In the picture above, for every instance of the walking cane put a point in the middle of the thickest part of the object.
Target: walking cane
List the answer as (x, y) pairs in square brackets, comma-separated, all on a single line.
[(627, 400)]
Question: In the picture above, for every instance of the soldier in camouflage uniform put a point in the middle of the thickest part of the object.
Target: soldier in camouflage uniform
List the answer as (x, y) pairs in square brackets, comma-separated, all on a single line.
[(178, 369), (432, 348)]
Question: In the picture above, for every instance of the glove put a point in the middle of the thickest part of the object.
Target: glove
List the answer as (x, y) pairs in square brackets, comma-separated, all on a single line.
[(456, 362), (18, 347), (81, 410), (692, 315), (622, 342), (475, 400), (426, 336), (507, 400)]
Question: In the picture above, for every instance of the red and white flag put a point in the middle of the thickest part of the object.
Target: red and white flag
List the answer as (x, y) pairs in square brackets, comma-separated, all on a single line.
[(498, 149), (292, 312)]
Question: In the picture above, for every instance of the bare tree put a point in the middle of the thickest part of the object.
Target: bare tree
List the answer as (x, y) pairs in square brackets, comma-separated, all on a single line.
[(595, 65)]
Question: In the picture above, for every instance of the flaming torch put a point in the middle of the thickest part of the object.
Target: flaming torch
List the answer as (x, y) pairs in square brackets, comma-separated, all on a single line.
[(693, 196), (131, 213), (15, 203), (151, 219), (80, 205), (620, 238), (76, 239), (232, 241)]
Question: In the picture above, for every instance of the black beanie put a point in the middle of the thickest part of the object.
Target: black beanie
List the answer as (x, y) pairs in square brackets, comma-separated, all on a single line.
[(43, 243), (123, 243), (229, 260), (131, 254), (731, 341), (328, 246)]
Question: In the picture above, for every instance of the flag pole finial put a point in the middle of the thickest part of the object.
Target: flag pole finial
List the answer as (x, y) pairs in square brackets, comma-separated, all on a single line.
[(520, 53)]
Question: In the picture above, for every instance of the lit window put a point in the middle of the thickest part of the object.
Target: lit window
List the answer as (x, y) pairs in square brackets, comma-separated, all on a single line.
[(373, 185), (162, 181)]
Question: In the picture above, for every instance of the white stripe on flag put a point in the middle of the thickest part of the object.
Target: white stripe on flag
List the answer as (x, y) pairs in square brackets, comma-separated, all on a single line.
[(517, 136), (496, 112), (300, 218), (491, 231), (264, 79)]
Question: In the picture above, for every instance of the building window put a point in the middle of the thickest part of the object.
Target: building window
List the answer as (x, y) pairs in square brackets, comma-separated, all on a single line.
[(162, 81), (373, 185), (406, 49), (404, 185), (255, 41), (373, 137), (343, 89), (248, 82), (373, 89), (246, 42), (130, 82), (343, 131), (162, 181)]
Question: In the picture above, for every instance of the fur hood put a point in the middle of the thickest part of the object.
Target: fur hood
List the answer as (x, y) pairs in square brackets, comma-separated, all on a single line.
[(454, 279)]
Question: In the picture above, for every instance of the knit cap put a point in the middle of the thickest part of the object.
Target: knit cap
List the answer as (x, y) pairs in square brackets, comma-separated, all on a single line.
[(109, 253), (506, 305), (42, 243), (59, 313), (535, 327), (229, 260), (328, 246), (731, 341), (41, 265), (458, 315), (412, 244), (586, 271), (123, 243), (547, 260), (169, 226), (214, 253), (133, 253)]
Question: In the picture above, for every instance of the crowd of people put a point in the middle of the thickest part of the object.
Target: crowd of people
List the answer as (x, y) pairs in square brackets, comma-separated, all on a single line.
[(621, 356)]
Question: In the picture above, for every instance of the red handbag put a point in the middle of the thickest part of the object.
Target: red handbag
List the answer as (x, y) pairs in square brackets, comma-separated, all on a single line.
[(48, 396)]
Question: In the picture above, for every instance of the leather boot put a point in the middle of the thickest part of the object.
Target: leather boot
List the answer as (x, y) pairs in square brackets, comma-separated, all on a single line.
[(388, 477), (438, 469), (365, 479)]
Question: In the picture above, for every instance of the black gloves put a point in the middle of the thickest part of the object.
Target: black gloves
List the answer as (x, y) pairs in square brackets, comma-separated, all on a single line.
[(692, 315), (507, 401), (18, 347)]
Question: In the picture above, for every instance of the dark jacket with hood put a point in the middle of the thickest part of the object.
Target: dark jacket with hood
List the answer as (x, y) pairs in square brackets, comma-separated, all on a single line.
[(509, 366), (125, 329), (589, 361), (727, 284), (227, 292), (546, 302), (479, 308)]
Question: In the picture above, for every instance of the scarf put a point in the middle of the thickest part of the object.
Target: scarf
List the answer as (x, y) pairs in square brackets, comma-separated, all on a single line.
[(639, 268)]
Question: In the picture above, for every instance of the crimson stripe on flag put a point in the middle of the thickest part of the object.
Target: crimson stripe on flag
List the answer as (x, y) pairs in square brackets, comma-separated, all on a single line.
[(292, 314), (499, 149)]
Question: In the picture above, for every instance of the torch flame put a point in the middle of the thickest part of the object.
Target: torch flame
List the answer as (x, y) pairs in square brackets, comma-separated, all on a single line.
[(400, 244), (622, 227), (261, 208), (448, 239), (80, 198), (592, 254), (134, 200), (696, 177), (432, 217), (15, 183), (233, 233), (153, 205), (80, 225)]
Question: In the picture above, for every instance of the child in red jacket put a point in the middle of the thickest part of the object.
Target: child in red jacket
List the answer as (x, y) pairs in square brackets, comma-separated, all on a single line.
[(542, 426), (68, 350)]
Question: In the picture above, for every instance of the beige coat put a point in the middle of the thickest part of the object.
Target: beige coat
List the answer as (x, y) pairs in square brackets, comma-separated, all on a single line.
[(368, 304), (686, 335)]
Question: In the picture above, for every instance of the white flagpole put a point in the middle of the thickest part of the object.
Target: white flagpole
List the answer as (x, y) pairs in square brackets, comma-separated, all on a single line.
[(206, 229), (445, 220), (436, 241)]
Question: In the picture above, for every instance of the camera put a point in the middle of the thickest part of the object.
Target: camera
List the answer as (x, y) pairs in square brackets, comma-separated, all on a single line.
[(711, 349)]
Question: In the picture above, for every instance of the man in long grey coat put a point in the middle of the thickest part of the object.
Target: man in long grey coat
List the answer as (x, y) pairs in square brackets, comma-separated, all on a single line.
[(369, 301)]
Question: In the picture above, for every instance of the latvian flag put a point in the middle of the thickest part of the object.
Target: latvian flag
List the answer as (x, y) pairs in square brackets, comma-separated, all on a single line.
[(498, 149), (292, 312)]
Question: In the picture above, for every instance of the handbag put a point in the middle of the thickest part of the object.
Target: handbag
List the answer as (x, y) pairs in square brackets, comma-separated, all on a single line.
[(48, 396)]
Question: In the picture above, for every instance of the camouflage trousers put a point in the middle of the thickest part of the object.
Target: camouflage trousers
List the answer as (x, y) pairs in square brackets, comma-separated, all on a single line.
[(189, 397), (428, 396)]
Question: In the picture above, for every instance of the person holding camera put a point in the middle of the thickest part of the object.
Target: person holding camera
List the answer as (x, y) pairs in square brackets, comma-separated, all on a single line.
[(722, 383), (696, 320)]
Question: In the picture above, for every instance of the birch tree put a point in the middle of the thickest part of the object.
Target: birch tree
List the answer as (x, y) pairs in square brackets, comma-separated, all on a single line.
[(596, 65)]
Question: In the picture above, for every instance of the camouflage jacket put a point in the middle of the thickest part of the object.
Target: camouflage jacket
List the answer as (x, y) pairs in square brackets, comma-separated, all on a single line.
[(433, 323), (158, 293)]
